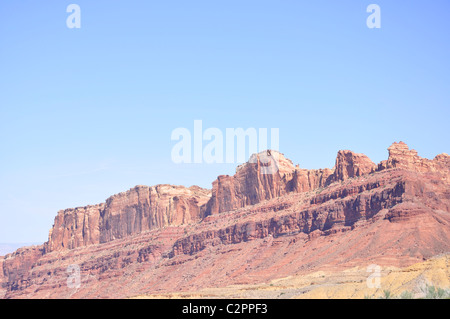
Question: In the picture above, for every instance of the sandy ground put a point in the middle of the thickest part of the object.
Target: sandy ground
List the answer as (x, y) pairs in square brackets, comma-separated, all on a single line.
[(352, 283)]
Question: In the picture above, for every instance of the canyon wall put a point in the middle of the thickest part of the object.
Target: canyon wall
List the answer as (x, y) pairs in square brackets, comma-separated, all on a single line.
[(250, 185), (145, 208), (140, 209), (403, 204)]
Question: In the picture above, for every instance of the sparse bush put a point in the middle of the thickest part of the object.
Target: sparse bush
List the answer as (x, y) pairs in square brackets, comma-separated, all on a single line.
[(406, 295), (387, 294), (433, 292)]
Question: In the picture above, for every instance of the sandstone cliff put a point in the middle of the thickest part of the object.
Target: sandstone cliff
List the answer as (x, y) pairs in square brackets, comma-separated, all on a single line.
[(250, 185), (350, 164), (140, 209), (251, 227), (15, 267), (145, 208)]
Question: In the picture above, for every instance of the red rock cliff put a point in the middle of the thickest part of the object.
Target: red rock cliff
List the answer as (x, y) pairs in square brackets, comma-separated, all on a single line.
[(145, 208), (259, 227), (137, 210), (350, 164), (251, 185), (16, 266)]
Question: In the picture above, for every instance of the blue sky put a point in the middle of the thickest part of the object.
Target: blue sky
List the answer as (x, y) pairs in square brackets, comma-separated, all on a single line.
[(87, 113)]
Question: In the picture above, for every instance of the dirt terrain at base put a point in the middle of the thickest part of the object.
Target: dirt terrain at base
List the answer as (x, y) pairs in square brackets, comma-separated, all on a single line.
[(348, 284)]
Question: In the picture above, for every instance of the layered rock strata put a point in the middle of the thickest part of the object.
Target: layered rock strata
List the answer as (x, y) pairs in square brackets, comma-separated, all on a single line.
[(250, 228)]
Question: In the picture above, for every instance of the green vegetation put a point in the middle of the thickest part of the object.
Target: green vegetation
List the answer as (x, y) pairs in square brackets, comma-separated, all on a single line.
[(429, 292), (387, 294), (432, 292), (406, 295)]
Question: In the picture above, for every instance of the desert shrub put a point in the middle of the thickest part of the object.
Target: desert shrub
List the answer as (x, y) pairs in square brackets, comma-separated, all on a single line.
[(433, 292), (406, 295), (387, 295)]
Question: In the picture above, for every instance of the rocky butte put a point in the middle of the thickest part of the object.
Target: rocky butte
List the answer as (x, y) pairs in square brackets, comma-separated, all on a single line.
[(249, 228)]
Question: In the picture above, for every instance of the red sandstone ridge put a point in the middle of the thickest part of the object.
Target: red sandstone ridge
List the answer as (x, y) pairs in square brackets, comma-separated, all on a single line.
[(250, 185), (252, 227), (140, 209)]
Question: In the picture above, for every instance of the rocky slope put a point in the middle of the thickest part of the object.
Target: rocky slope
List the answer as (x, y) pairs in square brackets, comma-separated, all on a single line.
[(251, 228)]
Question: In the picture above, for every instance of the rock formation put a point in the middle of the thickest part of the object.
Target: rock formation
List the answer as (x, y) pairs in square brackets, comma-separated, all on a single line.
[(349, 165), (250, 185), (400, 156), (140, 209), (16, 266), (252, 227)]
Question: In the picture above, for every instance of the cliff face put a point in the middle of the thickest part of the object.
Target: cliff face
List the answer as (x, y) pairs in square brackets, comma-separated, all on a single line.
[(305, 180), (140, 209), (251, 227), (326, 213), (396, 196), (16, 266), (146, 208), (350, 164), (250, 184), (75, 227)]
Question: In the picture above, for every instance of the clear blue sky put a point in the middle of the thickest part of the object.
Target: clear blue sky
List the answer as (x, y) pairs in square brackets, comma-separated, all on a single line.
[(87, 113)]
